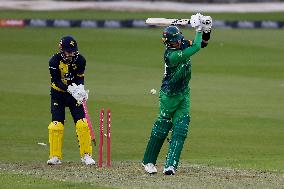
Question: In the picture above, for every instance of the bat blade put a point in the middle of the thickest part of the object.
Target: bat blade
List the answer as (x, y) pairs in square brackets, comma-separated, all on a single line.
[(89, 122), (166, 21)]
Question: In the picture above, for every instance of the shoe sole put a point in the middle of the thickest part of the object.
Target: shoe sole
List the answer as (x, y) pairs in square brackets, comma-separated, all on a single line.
[(53, 163), (84, 162), (151, 173), (90, 163), (147, 171), (169, 173)]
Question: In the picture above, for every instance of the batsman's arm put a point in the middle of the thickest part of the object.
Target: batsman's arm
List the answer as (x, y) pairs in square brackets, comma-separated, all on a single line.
[(183, 69), (205, 39), (181, 55), (56, 82), (194, 48)]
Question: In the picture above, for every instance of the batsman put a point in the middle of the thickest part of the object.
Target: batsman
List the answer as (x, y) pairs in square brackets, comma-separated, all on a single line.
[(174, 108), (67, 69)]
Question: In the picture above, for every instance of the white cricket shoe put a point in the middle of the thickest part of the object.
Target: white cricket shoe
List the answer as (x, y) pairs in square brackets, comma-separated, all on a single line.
[(150, 168), (169, 171), (54, 161), (88, 160)]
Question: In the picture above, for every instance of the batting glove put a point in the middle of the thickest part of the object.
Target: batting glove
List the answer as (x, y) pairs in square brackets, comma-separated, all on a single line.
[(206, 23), (195, 22)]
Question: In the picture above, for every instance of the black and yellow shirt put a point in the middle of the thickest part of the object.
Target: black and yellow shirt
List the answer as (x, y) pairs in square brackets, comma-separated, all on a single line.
[(63, 74)]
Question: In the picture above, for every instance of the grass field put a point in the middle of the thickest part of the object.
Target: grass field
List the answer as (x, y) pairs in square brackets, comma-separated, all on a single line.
[(237, 98), (91, 14)]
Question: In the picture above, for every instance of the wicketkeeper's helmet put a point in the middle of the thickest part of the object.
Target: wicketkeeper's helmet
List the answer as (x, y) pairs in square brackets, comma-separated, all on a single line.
[(172, 36), (68, 44)]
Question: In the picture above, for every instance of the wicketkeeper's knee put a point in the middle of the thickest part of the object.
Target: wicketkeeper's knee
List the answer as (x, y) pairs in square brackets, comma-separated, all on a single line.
[(84, 137)]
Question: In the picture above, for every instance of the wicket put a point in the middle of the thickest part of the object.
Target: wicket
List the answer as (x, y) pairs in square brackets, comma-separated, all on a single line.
[(108, 121)]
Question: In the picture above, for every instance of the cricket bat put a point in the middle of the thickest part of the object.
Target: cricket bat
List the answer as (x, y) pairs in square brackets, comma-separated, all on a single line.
[(89, 122), (167, 21)]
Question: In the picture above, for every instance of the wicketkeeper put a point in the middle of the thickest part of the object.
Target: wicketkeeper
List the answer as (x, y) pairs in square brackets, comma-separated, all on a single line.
[(67, 69), (175, 94)]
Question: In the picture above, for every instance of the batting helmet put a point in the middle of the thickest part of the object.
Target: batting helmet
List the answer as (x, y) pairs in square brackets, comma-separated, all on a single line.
[(172, 36)]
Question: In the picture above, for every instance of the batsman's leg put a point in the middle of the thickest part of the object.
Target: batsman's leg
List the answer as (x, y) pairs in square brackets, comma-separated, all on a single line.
[(160, 130), (159, 133), (181, 122), (179, 135), (55, 130)]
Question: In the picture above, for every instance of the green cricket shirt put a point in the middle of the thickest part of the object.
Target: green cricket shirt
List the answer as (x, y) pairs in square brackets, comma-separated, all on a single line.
[(178, 67)]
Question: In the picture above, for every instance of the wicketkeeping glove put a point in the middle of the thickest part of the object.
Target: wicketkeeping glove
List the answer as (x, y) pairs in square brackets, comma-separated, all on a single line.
[(72, 88), (84, 93), (78, 92)]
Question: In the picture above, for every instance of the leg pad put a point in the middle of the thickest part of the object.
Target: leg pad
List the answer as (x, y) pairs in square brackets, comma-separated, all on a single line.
[(84, 138), (179, 134), (159, 133), (55, 130)]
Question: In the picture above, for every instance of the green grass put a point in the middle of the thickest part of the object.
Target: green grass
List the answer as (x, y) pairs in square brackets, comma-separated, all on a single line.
[(28, 182), (95, 14), (237, 93)]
